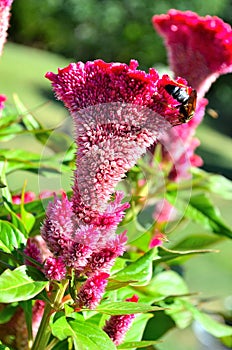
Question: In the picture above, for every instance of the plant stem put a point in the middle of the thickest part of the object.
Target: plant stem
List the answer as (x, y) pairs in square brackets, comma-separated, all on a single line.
[(44, 330)]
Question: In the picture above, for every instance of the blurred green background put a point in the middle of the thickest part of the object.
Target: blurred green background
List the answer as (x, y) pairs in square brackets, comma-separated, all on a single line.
[(47, 34)]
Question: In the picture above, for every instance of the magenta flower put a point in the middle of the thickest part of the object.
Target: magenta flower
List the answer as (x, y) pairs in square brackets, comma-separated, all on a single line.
[(188, 38), (157, 240), (117, 326), (92, 290), (29, 196), (32, 250), (86, 248), (2, 100), (5, 6), (58, 226), (118, 112), (54, 268)]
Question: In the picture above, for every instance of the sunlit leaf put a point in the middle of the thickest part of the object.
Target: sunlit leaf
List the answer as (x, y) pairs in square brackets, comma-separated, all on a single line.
[(137, 344), (201, 210), (125, 308), (18, 285), (212, 326), (165, 254), (139, 270), (11, 237), (84, 335)]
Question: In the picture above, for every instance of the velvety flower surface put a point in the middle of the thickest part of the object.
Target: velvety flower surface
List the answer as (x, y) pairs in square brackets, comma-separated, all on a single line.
[(92, 290), (117, 326), (5, 6), (118, 112), (32, 250), (58, 225), (86, 248), (188, 38), (199, 48), (54, 268)]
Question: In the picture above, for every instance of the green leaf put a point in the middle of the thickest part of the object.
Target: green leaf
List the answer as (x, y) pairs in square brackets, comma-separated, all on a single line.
[(85, 335), (201, 210), (212, 326), (11, 237), (196, 241), (167, 283), (165, 254), (136, 331), (18, 285), (90, 337), (4, 190), (125, 308), (139, 270), (214, 183), (7, 312), (27, 308), (178, 312), (24, 160), (4, 347), (61, 328), (30, 122), (114, 284), (137, 344), (17, 222)]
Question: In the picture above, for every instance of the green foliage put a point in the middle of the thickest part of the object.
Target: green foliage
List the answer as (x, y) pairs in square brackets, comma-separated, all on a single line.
[(20, 284), (165, 300), (84, 335)]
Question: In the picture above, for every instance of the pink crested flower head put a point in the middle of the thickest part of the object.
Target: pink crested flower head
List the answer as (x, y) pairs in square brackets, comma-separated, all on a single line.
[(87, 248), (58, 228), (5, 6), (54, 268), (92, 290), (32, 250), (103, 258), (117, 326), (199, 48), (118, 112)]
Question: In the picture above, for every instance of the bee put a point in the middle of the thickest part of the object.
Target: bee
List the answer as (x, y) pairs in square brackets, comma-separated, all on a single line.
[(187, 101)]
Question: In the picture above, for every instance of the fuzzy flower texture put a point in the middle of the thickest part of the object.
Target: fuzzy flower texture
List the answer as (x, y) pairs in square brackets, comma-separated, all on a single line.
[(200, 50), (119, 112)]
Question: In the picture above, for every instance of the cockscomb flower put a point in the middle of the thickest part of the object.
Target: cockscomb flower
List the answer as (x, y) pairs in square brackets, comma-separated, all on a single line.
[(188, 38), (5, 6), (86, 248), (54, 268), (92, 290), (118, 112), (117, 326), (32, 250), (58, 227), (103, 258)]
